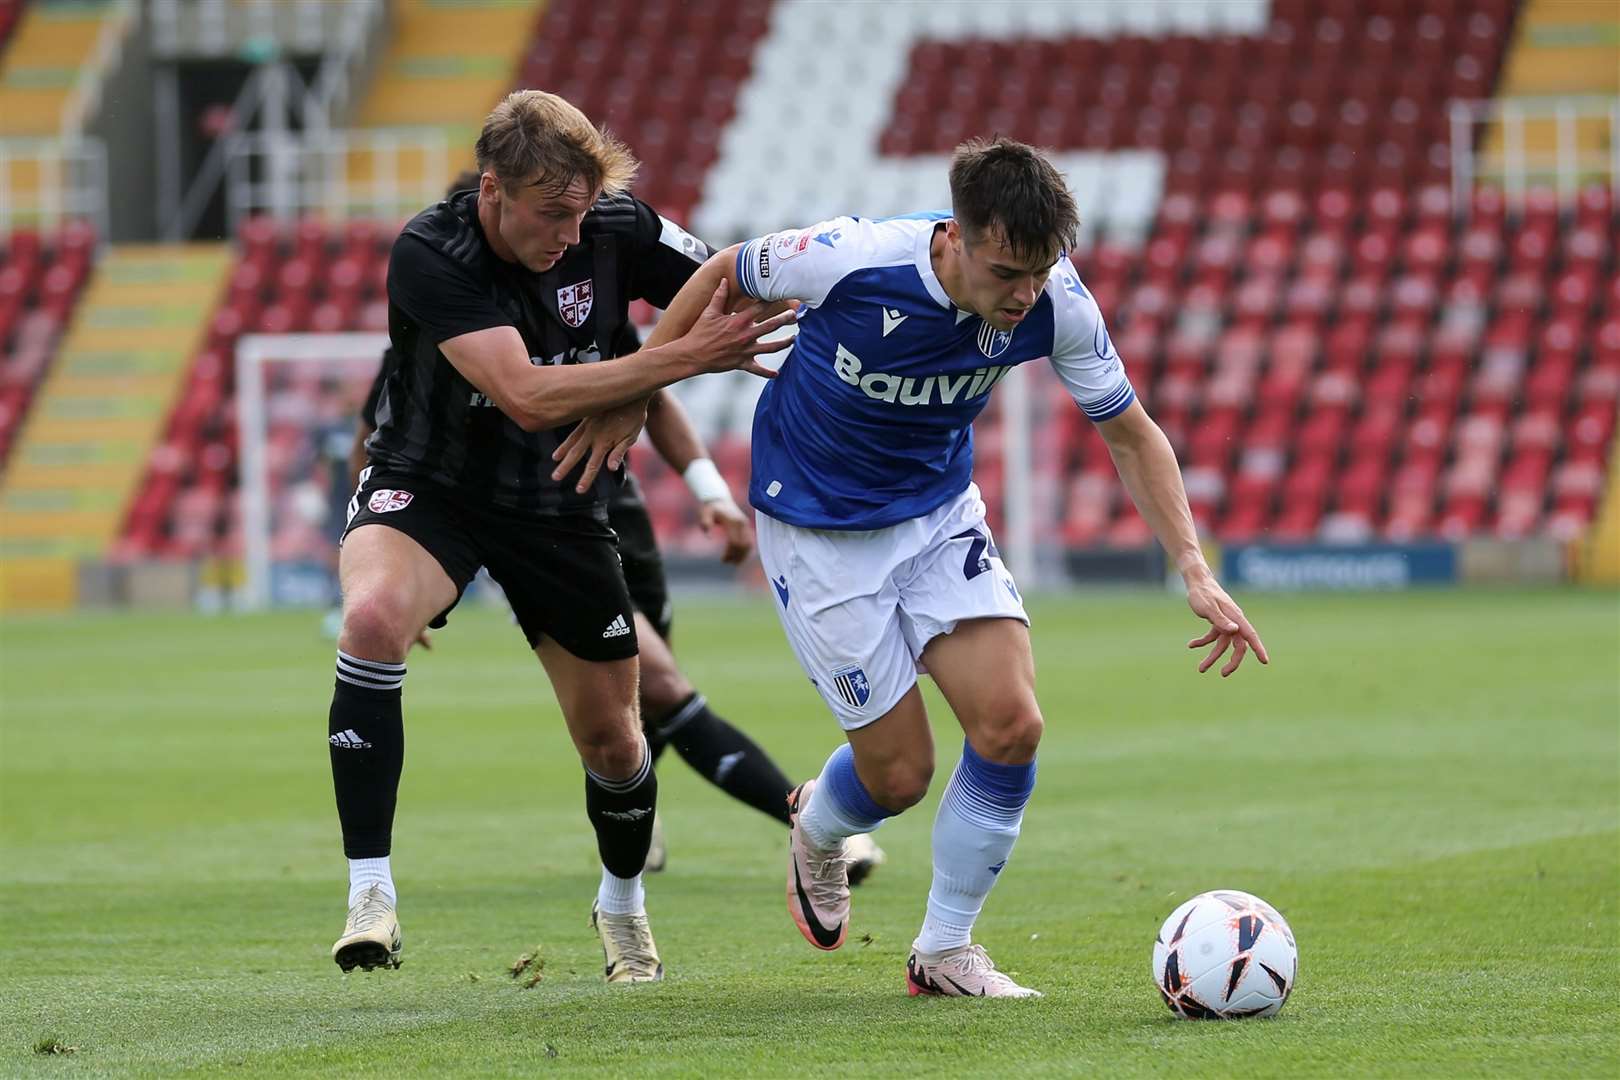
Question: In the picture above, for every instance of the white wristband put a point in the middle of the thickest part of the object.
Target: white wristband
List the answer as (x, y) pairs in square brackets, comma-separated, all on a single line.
[(705, 481)]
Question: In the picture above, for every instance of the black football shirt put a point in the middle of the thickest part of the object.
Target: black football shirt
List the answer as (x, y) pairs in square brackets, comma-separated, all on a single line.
[(444, 280)]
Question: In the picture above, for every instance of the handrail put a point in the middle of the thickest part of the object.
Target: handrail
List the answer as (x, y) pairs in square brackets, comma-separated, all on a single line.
[(276, 98), (285, 174), (107, 53), (1519, 168), (72, 182)]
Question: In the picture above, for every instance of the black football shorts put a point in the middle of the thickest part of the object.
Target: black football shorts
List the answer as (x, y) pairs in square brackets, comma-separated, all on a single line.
[(561, 575), (638, 550)]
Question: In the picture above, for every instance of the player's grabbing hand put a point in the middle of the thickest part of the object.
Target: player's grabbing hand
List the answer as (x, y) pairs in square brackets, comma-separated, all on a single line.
[(727, 342)]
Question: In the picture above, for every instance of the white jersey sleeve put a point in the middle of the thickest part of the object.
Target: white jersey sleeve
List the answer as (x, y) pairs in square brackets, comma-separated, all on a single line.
[(1082, 353), (805, 264)]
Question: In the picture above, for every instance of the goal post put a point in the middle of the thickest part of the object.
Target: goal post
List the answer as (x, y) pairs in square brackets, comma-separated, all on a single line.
[(288, 386)]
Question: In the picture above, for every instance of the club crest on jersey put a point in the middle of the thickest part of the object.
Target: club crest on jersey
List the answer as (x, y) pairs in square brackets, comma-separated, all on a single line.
[(993, 342), (387, 500), (574, 303), (852, 686)]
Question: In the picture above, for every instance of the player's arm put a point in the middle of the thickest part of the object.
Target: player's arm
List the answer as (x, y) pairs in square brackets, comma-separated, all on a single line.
[(366, 422), (455, 312), (797, 265), (1085, 361), (1147, 465), (537, 397), (688, 304), (679, 444)]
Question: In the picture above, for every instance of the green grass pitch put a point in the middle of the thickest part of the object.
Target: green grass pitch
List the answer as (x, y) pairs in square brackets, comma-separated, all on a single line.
[(1426, 784)]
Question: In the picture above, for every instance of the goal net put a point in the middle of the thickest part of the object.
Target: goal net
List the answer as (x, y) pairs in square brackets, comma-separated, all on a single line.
[(298, 397)]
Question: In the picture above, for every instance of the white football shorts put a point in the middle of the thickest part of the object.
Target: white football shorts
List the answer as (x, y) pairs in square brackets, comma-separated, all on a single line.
[(859, 607)]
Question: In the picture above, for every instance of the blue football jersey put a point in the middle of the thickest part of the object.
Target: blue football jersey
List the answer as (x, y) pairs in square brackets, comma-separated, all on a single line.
[(870, 422)]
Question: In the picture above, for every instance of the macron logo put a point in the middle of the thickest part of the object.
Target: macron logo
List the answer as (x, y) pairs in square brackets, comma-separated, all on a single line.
[(891, 319), (348, 740), (617, 628)]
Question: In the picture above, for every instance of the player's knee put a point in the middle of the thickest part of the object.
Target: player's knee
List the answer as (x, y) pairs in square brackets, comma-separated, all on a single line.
[(1012, 736), (662, 689), (613, 751), (902, 784), (377, 626)]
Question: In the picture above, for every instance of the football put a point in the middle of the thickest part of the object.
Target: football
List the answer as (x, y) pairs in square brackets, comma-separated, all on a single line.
[(1224, 955)]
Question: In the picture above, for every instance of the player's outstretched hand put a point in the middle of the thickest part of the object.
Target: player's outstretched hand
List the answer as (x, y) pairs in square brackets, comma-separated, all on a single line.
[(729, 341), (600, 440), (734, 527), (1228, 626)]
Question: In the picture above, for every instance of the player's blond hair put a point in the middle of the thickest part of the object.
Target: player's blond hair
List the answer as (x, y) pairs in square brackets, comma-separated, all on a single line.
[(537, 139)]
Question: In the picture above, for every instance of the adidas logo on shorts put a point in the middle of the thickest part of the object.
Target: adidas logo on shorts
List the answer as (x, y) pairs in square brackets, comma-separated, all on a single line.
[(348, 740), (617, 628)]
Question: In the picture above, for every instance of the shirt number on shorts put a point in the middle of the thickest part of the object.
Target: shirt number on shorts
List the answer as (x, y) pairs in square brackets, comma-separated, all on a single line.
[(975, 563)]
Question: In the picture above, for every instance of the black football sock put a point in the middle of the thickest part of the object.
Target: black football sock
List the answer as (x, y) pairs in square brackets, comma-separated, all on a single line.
[(655, 740), (725, 757), (621, 812), (366, 738)]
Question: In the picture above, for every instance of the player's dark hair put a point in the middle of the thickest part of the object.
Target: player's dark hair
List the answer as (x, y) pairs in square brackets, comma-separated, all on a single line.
[(465, 180), (538, 139), (1004, 185)]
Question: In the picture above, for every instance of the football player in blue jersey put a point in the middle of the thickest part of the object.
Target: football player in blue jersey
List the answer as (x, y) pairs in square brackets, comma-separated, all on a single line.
[(873, 533)]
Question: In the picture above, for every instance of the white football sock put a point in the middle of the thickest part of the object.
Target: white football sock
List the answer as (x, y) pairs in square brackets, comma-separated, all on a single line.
[(621, 895), (978, 821), (364, 873)]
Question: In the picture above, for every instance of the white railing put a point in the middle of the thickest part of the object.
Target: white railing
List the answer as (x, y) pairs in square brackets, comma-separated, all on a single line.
[(108, 52), (225, 27), (280, 116), (286, 175), (329, 100), (44, 182), (1524, 159)]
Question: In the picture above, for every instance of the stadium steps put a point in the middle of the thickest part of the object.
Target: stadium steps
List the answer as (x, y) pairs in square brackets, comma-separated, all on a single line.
[(448, 64), (1562, 48), (1598, 560), (51, 43), (84, 443)]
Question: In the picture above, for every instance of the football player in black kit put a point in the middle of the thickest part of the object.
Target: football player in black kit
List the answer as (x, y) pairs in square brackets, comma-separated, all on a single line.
[(491, 296), (673, 713)]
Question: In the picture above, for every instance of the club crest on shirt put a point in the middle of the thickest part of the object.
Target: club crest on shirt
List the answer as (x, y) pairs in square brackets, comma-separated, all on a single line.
[(574, 303), (993, 342), (386, 500)]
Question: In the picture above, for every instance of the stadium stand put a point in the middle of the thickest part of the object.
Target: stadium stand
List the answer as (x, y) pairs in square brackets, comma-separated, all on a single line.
[(663, 76), (50, 44), (446, 65), (82, 452), (10, 16), (1336, 349), (309, 277), (40, 282)]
